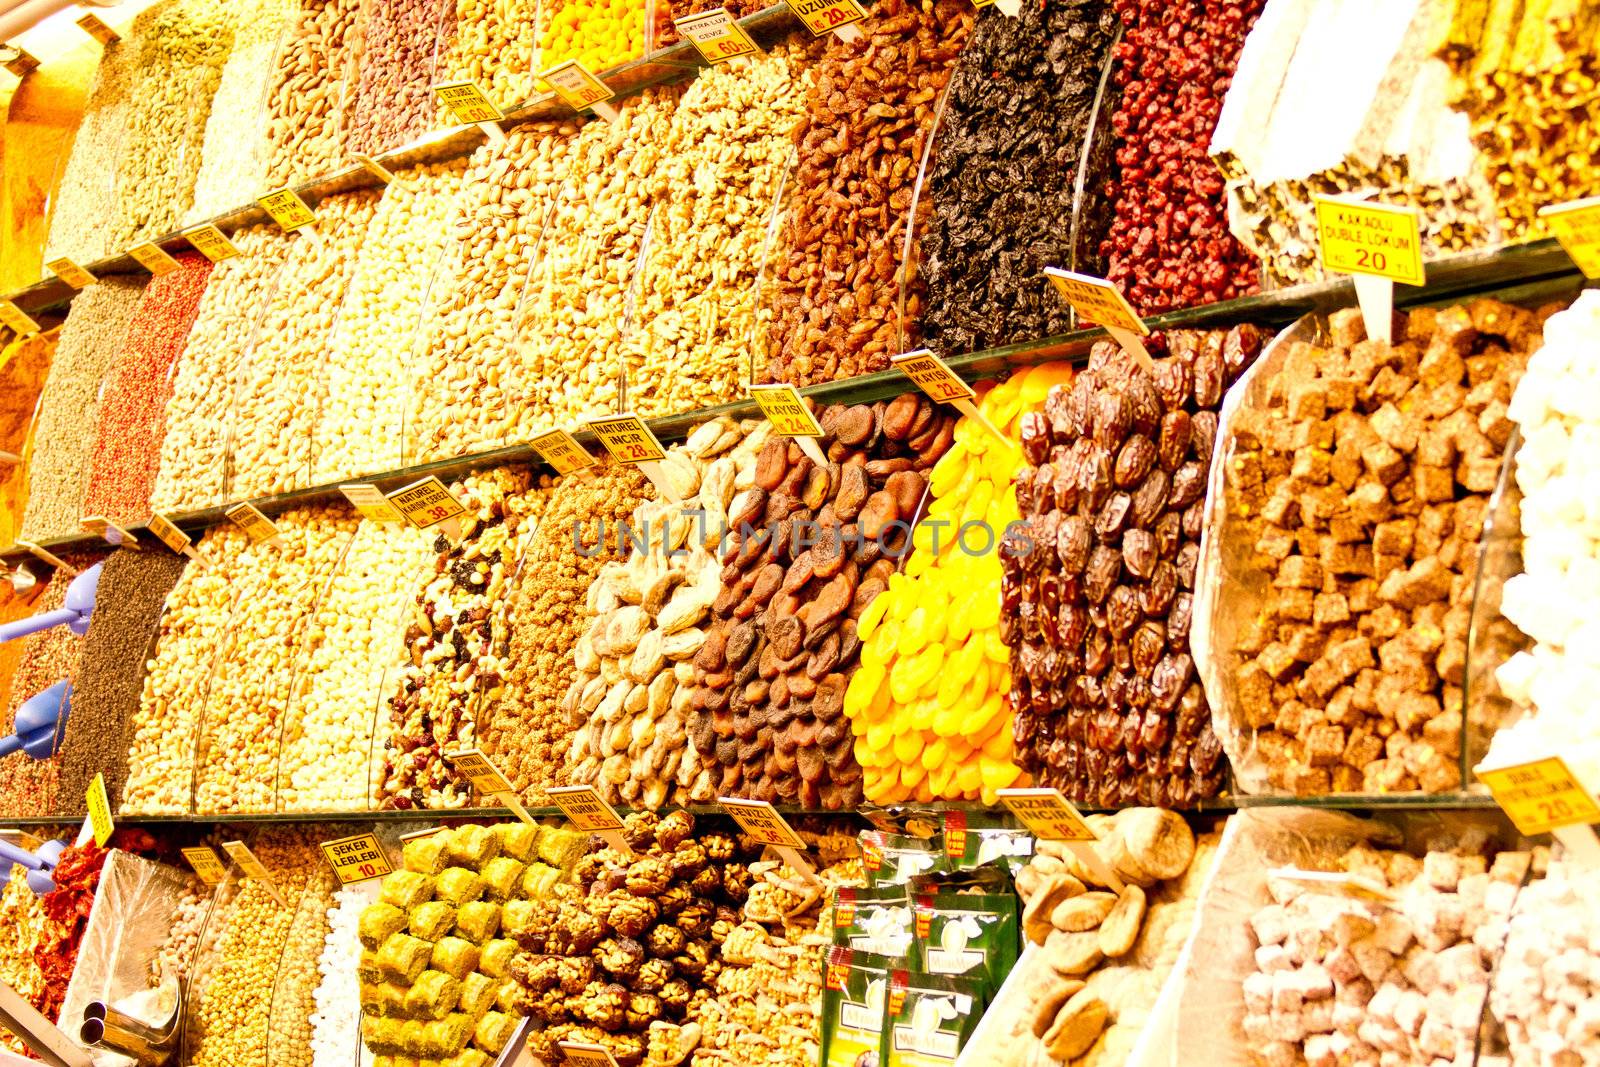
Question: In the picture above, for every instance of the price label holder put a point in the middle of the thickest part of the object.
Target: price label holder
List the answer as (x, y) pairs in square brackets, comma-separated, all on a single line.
[(251, 867), (717, 34), (1099, 302), (211, 243), (1049, 816), (427, 503), (761, 821), (1378, 245), (790, 417), (369, 500), (257, 526), (562, 451), (487, 779), (829, 16), (44, 555), (1543, 797), (100, 811), (290, 212), (1340, 882), (17, 319), (582, 1054), (18, 61), (356, 859), (471, 106), (95, 27), (586, 809), (630, 441), (212, 871), (381, 172), (580, 89), (942, 384), (167, 532), (110, 532), (153, 258), (1576, 225), (71, 273)]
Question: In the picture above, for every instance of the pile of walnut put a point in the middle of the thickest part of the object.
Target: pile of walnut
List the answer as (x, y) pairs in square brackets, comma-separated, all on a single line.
[(771, 676), (1364, 482), (635, 670), (636, 941), (1085, 991)]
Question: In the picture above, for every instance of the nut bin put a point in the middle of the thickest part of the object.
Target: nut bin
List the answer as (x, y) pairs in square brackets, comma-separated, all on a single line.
[(493, 43), (312, 91), (393, 92)]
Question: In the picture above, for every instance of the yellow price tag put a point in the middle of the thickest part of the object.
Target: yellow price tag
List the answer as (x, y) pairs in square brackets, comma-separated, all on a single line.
[(100, 811), (585, 808), (628, 439), (287, 210), (252, 867), (1097, 300), (1047, 814), (1383, 240), (211, 243), (1576, 225), (786, 410), (369, 500), (109, 531), (426, 503), (717, 35), (825, 16), (574, 84), (467, 102), (374, 168), (932, 376), (71, 273), (248, 518), (582, 1054), (476, 768), (168, 533), (21, 61), (95, 27), (17, 319), (153, 258), (356, 859), (211, 870), (562, 451), (1540, 796), (761, 821)]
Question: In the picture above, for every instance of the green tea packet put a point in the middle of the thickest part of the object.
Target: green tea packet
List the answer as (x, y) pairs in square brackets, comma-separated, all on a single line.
[(855, 1000), (895, 859), (968, 934), (973, 840), (930, 1018), (876, 920)]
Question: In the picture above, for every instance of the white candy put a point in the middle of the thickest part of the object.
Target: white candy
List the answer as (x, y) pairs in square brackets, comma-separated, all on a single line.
[(335, 1024)]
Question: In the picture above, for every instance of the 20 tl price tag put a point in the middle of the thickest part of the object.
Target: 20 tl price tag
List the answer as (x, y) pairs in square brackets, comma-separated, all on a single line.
[(717, 35), (574, 84), (941, 383), (1576, 225), (829, 16), (252, 867), (1099, 302), (205, 864), (630, 441), (17, 319), (100, 811), (586, 809), (256, 526), (356, 859), (1378, 244), (761, 821), (369, 500), (1540, 796), (1052, 817), (428, 503), (211, 243), (487, 779), (71, 273), (287, 210), (562, 451), (784, 408), (153, 258)]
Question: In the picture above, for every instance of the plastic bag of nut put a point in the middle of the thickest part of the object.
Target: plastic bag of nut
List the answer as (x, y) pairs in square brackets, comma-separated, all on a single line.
[(1351, 486)]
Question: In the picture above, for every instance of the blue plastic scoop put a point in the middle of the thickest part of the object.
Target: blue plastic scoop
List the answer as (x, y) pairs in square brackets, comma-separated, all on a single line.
[(74, 613), (39, 722)]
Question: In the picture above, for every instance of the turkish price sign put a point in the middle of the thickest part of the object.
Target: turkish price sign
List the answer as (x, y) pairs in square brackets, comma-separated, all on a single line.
[(153, 258), (1576, 225), (1382, 240), (761, 821), (581, 1054), (211, 243), (932, 376), (369, 500), (1047, 814), (784, 408), (356, 859), (628, 439), (467, 102), (167, 532), (1097, 300), (109, 531), (96, 27), (825, 16), (17, 319), (100, 810), (426, 503), (287, 209), (20, 61), (585, 808), (717, 34), (252, 867), (1541, 796), (576, 86), (562, 451), (206, 864), (71, 273), (39, 552), (476, 768), (248, 518), (1341, 882)]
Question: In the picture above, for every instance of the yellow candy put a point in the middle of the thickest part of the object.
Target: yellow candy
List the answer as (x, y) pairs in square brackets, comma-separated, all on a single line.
[(999, 745), (997, 774), (881, 703), (984, 719), (910, 774), (863, 686), (986, 609), (947, 722), (880, 735), (934, 757), (941, 778), (924, 666), (977, 506), (872, 616), (961, 617), (864, 755)]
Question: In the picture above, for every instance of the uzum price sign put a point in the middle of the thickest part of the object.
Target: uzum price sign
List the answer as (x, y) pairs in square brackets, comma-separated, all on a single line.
[(71, 273), (829, 16), (252, 867), (153, 258), (562, 451), (1543, 797), (717, 35), (211, 870), (256, 526), (487, 779), (1576, 225), (1378, 245), (586, 809), (761, 821), (356, 859), (428, 503), (940, 383), (287, 210), (580, 89), (1052, 817), (369, 500), (786, 410), (17, 319), (211, 243), (1101, 303), (100, 811)]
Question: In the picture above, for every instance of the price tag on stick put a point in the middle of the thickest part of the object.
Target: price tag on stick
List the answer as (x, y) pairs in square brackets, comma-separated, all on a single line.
[(761, 821), (582, 1054), (717, 35), (356, 859), (787, 411), (1341, 882), (630, 441), (17, 319), (1576, 225), (830, 16), (1099, 302), (44, 555), (942, 384), (100, 811), (95, 27), (71, 273), (290, 213), (487, 779), (1378, 244), (167, 532), (249, 519), (562, 451), (369, 500), (1052, 817), (211, 243), (580, 89), (110, 532), (381, 172), (586, 809), (252, 867), (153, 258), (470, 105), (427, 503), (1543, 797), (211, 870)]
